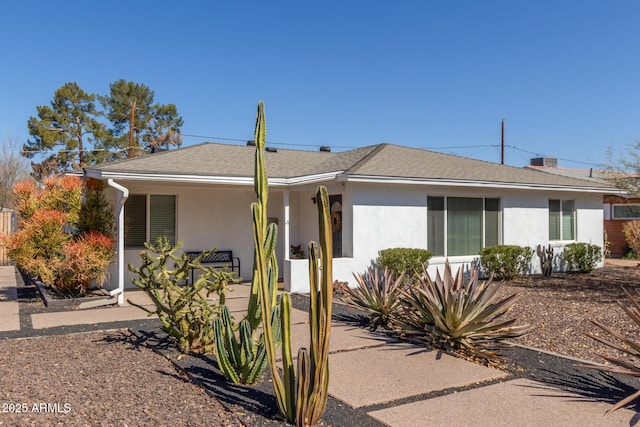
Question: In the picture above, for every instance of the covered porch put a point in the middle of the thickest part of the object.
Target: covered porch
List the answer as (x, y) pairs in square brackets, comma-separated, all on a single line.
[(213, 215)]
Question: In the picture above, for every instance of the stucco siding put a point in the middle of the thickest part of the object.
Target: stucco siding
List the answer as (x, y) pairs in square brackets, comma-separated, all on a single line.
[(525, 219), (387, 218), (374, 217), (207, 217)]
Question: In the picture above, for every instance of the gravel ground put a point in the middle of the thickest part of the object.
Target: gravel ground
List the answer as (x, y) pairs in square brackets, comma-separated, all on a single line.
[(123, 378), (561, 307), (100, 379)]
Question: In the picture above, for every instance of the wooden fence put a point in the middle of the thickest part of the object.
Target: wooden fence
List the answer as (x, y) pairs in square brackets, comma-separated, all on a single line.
[(7, 226)]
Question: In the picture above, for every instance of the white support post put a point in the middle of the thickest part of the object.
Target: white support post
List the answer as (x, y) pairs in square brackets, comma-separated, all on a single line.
[(286, 225), (123, 194)]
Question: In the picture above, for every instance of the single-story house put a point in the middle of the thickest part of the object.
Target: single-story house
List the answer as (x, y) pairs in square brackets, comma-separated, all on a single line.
[(382, 196)]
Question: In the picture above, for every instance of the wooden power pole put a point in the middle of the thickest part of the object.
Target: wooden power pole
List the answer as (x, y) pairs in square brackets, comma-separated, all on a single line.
[(502, 145), (131, 124)]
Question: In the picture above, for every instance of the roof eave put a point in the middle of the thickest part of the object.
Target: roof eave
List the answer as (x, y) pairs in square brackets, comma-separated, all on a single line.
[(208, 179), (472, 183)]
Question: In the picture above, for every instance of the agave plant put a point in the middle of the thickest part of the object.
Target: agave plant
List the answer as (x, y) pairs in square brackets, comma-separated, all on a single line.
[(630, 348), (457, 314), (377, 294)]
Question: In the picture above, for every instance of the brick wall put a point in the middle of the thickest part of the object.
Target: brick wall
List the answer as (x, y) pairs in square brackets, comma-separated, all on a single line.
[(613, 227), (617, 242)]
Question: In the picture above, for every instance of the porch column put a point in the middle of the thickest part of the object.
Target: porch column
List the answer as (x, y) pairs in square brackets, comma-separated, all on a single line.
[(286, 224), (123, 194)]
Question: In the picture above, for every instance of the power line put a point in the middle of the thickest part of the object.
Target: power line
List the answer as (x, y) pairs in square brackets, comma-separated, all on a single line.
[(268, 142), (559, 158), (442, 147)]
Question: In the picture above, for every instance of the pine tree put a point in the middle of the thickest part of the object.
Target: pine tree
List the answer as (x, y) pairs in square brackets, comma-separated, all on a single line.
[(154, 125), (67, 129)]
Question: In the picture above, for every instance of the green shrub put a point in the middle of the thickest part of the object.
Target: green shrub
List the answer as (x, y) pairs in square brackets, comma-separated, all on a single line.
[(505, 261), (459, 315), (405, 261), (582, 257)]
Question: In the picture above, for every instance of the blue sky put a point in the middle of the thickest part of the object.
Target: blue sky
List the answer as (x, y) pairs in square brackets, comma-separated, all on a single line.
[(431, 74)]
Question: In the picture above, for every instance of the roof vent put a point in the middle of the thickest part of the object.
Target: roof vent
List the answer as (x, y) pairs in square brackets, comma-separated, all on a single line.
[(251, 143), (325, 148), (544, 161), (271, 149)]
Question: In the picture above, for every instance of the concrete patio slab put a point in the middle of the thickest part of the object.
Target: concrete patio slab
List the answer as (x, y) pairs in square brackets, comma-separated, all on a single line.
[(342, 338), (513, 403), (397, 371), (8, 321), (9, 306), (8, 293), (87, 317), (7, 277), (238, 308)]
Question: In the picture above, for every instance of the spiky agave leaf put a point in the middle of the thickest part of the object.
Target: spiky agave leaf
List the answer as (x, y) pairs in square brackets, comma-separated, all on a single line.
[(377, 294), (460, 315), (627, 346)]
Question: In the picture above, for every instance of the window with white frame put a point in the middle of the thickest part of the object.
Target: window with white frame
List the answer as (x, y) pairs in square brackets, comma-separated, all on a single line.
[(562, 220), (626, 211), (147, 217), (462, 225)]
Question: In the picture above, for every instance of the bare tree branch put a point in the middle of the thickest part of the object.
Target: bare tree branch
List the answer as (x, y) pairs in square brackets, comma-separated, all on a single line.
[(13, 168)]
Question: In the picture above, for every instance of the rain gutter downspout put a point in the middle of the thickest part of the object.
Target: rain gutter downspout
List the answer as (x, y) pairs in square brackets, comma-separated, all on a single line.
[(123, 194)]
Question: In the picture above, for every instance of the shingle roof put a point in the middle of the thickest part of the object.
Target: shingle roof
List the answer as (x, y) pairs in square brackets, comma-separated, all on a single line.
[(589, 174), (383, 160)]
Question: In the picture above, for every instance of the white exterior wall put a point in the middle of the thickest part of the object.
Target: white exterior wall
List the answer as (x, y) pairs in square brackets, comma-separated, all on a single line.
[(207, 217), (383, 216), (374, 217), (386, 219)]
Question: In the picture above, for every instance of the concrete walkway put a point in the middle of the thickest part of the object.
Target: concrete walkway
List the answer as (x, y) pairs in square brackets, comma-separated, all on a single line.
[(397, 384)]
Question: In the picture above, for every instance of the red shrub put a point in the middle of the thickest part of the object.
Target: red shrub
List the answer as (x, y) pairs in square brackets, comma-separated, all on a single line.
[(85, 261)]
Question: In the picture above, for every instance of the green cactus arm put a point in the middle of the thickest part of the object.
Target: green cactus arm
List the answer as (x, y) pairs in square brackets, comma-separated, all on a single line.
[(261, 276), (272, 266), (319, 372), (229, 337), (326, 247), (287, 358), (314, 325), (260, 173), (246, 339), (149, 312), (304, 380), (222, 355), (253, 308), (258, 365)]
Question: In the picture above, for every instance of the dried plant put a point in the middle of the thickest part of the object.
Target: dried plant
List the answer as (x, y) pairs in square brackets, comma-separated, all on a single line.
[(631, 230)]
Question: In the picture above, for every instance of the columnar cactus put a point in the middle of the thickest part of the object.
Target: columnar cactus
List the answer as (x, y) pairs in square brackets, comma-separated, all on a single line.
[(546, 259), (243, 361), (302, 401)]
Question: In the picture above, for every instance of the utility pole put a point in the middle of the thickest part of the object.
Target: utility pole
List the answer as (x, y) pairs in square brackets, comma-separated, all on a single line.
[(502, 145), (131, 123)]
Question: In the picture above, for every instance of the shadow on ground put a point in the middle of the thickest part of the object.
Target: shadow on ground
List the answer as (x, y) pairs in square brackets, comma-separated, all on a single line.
[(256, 403)]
